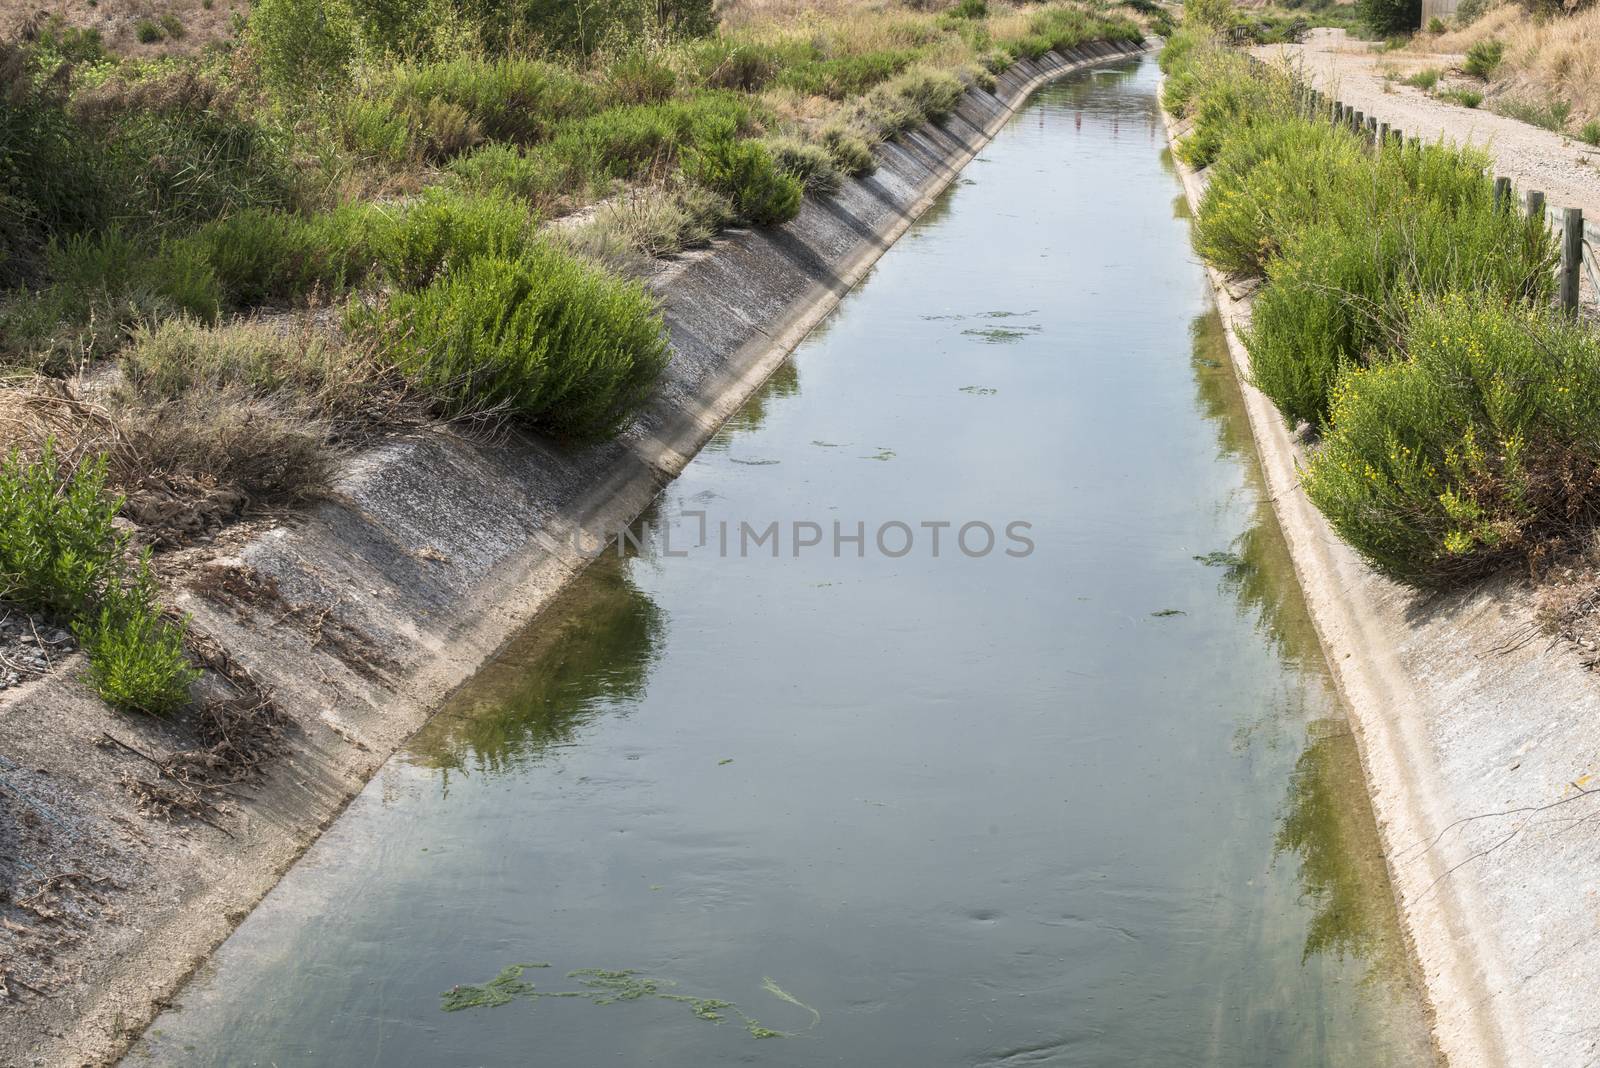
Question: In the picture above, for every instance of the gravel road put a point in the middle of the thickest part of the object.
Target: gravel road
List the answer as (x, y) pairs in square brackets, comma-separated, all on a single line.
[(1567, 171)]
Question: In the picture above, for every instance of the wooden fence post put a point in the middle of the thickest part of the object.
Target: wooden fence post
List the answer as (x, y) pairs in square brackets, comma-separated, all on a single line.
[(1571, 258), (1502, 191), (1533, 204)]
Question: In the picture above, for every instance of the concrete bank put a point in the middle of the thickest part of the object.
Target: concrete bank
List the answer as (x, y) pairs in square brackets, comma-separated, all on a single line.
[(363, 615), (1479, 738)]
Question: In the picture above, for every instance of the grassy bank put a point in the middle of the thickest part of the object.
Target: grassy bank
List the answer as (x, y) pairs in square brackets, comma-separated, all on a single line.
[(1404, 320), (225, 263)]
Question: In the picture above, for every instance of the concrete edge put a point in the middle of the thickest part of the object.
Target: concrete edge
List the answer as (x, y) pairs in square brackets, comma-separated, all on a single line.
[(1458, 958)]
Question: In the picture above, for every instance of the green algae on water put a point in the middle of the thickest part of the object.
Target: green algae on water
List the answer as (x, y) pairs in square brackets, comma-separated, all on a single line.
[(1169, 612), (501, 990), (603, 986)]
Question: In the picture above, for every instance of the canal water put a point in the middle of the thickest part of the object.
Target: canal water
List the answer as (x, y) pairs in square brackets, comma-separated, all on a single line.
[(1081, 797)]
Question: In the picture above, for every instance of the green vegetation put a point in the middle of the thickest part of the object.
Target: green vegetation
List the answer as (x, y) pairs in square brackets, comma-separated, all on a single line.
[(1467, 98), (1484, 57), (1405, 316), (1590, 135), (1426, 80), (1550, 114), (1475, 449), (540, 337), (61, 554)]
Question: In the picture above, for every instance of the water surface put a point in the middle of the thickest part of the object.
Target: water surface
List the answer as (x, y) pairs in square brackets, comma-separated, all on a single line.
[(1092, 805)]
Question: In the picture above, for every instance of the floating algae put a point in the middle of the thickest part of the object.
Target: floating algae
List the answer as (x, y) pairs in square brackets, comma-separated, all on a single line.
[(603, 986), (501, 990), (881, 454), (997, 335), (1166, 612), (979, 391), (1221, 558)]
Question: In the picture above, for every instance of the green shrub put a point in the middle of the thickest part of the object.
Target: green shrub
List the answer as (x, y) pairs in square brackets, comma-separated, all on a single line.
[(506, 169), (740, 66), (1337, 293), (813, 165), (640, 78), (1425, 80), (148, 31), (1227, 98), (136, 657), (1269, 182), (744, 172), (1470, 11), (545, 339), (1479, 447), (1384, 18), (1465, 97), (304, 43), (1550, 114), (172, 26), (846, 76), (450, 105), (1484, 57), (445, 231), (1210, 16), (1591, 133), (59, 548), (1436, 25), (970, 9)]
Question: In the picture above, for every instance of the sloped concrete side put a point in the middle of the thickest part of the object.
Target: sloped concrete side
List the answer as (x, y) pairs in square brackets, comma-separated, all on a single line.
[(1479, 739), (433, 551)]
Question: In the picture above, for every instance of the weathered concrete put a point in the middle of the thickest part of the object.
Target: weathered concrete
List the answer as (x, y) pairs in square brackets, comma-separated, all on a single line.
[(436, 549), (1479, 739)]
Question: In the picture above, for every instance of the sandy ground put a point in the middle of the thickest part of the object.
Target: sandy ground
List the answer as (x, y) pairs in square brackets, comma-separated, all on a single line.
[(1567, 171)]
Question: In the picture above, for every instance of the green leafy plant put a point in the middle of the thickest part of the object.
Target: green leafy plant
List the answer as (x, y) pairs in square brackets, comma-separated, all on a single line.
[(1472, 448), (1590, 135), (1426, 79), (744, 172), (543, 338), (1467, 98), (136, 655), (1484, 58)]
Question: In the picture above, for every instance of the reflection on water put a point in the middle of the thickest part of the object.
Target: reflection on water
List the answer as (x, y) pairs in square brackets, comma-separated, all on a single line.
[(589, 655), (1090, 807), (1327, 823)]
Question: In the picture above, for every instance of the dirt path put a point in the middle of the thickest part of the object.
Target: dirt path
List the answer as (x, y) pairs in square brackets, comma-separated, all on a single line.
[(1567, 171)]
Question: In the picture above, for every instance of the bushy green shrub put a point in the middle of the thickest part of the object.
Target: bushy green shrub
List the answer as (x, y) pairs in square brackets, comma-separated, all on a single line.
[(1590, 134), (1337, 294), (444, 231), (448, 106), (304, 43), (640, 77), (741, 66), (59, 547), (1467, 98), (1484, 57), (136, 657), (744, 172), (649, 223), (1477, 447), (1227, 98), (1425, 79), (1271, 180), (845, 76), (544, 338)]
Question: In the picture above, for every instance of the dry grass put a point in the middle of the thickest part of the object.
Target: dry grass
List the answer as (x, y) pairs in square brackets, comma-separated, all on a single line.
[(117, 21), (1557, 59)]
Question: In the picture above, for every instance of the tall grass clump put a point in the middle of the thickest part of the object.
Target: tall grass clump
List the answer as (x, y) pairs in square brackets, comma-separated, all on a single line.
[(1338, 296), (1477, 447), (61, 554), (544, 339)]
